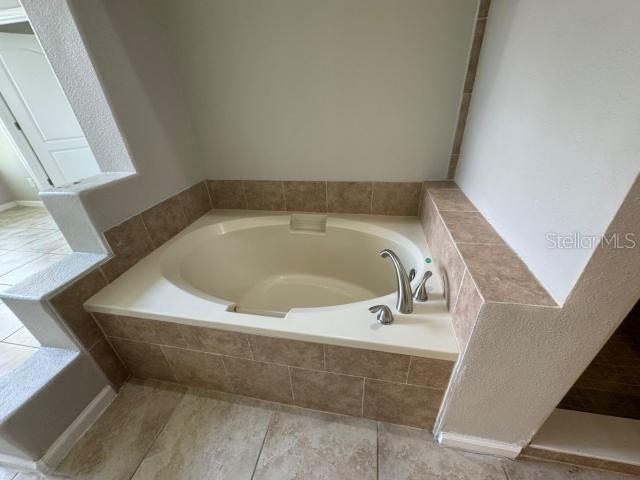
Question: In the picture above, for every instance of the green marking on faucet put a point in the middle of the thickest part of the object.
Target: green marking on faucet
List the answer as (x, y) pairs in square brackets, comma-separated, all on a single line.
[(427, 260)]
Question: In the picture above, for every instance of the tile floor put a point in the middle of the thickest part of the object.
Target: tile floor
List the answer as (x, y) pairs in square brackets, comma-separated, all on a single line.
[(29, 242), (163, 431)]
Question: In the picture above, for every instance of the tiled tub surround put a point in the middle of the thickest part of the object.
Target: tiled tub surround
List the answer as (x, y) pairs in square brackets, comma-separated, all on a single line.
[(138, 236), (478, 267), (390, 387), (376, 198), (310, 358)]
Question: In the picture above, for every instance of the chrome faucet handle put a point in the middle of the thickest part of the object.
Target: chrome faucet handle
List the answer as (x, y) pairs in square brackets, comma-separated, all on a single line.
[(420, 293), (383, 314)]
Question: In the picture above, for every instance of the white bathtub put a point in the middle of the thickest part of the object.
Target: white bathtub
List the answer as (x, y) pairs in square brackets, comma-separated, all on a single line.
[(306, 277)]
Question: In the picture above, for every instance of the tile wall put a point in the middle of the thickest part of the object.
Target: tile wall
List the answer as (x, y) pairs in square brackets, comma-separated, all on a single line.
[(383, 386)]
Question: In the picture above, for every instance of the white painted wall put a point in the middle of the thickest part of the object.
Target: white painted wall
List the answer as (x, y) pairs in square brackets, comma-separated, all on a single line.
[(14, 179), (553, 136), (315, 90)]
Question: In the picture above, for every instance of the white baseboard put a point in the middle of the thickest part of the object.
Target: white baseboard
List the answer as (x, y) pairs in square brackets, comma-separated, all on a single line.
[(8, 205), (30, 203), (479, 445), (63, 444)]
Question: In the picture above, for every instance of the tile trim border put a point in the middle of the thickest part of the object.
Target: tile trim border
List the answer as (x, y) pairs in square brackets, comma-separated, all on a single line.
[(467, 91)]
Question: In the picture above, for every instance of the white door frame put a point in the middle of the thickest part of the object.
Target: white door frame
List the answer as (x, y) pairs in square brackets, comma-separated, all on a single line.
[(23, 148)]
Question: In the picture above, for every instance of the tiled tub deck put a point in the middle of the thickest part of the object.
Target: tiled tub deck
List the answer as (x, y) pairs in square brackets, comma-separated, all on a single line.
[(390, 387)]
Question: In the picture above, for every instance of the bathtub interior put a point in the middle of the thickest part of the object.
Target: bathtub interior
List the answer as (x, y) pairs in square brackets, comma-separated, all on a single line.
[(272, 268)]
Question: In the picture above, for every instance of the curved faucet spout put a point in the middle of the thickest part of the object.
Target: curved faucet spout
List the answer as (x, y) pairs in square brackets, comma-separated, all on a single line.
[(404, 302)]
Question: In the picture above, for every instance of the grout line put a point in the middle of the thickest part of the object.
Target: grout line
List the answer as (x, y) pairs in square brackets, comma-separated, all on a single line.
[(408, 369), (155, 439), (364, 381), (377, 450), (293, 397), (264, 440)]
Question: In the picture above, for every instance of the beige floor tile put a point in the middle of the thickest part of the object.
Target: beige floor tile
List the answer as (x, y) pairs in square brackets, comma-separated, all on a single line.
[(11, 260), (540, 470), (209, 435), (22, 337), (9, 323), (52, 240), (116, 444), (7, 473), (17, 239), (13, 355), (31, 268), (410, 454), (303, 444)]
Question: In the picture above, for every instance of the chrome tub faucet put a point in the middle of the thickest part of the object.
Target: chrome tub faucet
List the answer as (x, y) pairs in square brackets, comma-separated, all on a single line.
[(404, 301)]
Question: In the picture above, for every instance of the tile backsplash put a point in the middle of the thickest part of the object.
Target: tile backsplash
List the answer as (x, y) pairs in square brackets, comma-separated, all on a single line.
[(376, 198)]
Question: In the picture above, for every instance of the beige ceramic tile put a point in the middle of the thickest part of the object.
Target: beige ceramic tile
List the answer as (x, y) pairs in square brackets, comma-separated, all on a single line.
[(195, 201), (305, 196), (68, 304), (560, 457), (315, 446), (474, 56), (152, 331), (525, 469), (430, 372), (502, 277), (164, 220), (447, 257), (437, 184), (109, 363), (143, 359), (13, 355), (7, 474), (31, 268), (46, 243), (9, 323), (22, 337), (260, 380), (410, 454), (287, 352), (264, 195), (330, 392), (462, 121), (466, 311), (451, 200), (18, 239), (10, 260), (367, 363), (470, 227), (453, 166), (396, 198), (216, 341), (110, 324), (129, 242), (209, 436), (483, 10), (227, 194), (349, 197), (402, 404), (115, 445), (197, 369)]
